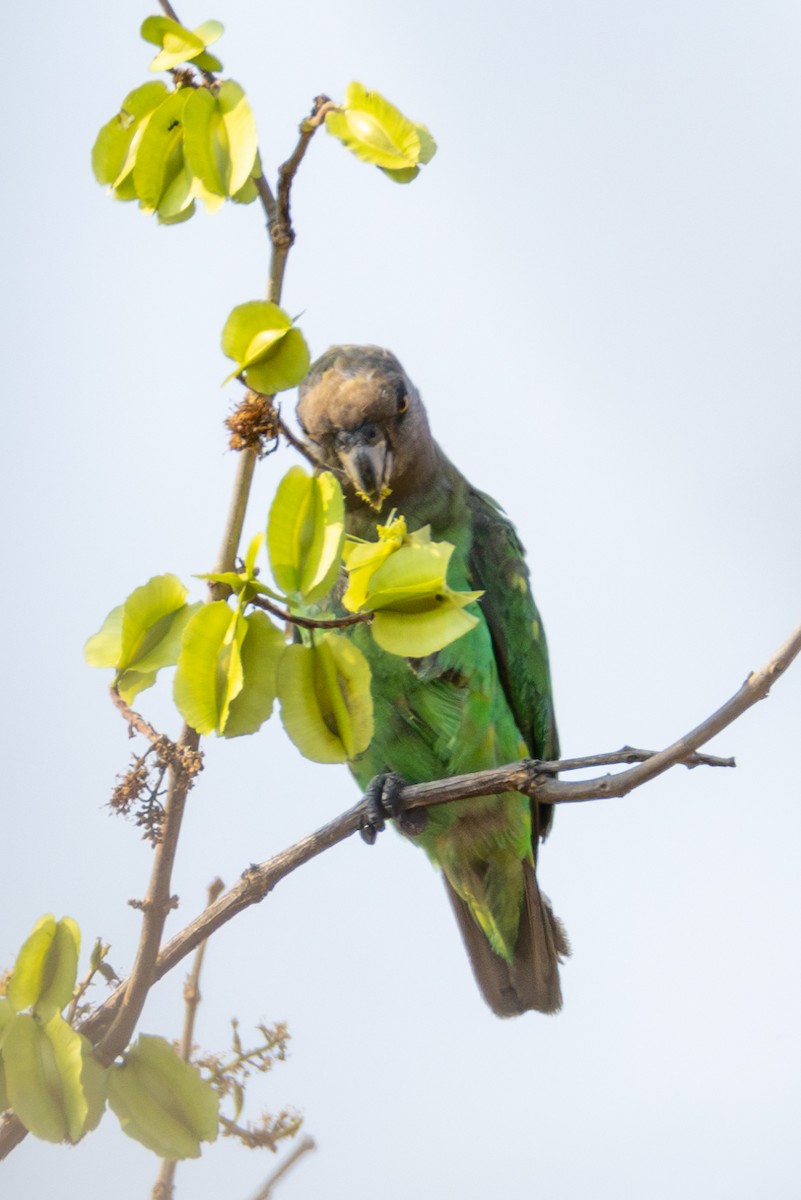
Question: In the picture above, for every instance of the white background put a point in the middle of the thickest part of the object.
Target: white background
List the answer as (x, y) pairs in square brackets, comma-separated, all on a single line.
[(596, 285)]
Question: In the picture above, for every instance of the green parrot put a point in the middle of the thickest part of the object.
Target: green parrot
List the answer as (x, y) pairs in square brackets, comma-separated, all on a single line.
[(482, 701)]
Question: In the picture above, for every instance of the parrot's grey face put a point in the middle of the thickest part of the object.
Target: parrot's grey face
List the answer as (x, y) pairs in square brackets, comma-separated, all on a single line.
[(365, 421)]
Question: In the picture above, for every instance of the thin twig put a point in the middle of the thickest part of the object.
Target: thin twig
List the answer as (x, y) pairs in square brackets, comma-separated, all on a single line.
[(267, 199), (137, 722), (297, 444), (281, 231), (628, 754), (304, 1145), (163, 1187), (310, 622), (157, 903), (169, 11)]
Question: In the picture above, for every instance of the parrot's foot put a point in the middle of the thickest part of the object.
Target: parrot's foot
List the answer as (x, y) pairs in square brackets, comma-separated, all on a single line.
[(381, 801)]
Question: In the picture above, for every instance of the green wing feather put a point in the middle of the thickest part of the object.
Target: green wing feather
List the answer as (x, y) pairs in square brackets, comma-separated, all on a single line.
[(497, 564)]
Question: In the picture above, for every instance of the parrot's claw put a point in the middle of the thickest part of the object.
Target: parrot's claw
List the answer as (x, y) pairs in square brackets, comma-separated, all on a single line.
[(381, 801)]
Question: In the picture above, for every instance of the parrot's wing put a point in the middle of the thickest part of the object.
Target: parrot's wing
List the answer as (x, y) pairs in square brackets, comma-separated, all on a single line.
[(497, 564)]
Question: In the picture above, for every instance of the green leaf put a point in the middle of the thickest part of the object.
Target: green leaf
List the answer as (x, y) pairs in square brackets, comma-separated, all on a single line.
[(47, 964), (113, 143), (402, 578), (142, 635), (220, 138), (207, 62), (185, 214), (163, 1101), (43, 1066), (247, 193), (148, 636), (252, 554), (180, 45), (362, 560), (160, 155), (94, 1080), (326, 704), (261, 651), (177, 199), (206, 155), (103, 648), (209, 673), (239, 127), (209, 32), (305, 533), (416, 634), (260, 338), (377, 132)]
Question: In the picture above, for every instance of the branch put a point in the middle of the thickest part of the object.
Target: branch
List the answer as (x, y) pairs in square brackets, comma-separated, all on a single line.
[(163, 1187), (303, 1146), (281, 231), (297, 444), (532, 777), (157, 902), (282, 614)]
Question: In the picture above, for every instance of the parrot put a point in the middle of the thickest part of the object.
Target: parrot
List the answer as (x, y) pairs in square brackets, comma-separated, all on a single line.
[(482, 701)]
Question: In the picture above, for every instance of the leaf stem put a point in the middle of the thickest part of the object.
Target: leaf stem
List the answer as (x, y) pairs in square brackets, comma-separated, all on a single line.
[(311, 622)]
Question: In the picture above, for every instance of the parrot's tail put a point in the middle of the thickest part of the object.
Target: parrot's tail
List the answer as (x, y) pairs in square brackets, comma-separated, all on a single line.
[(531, 979)]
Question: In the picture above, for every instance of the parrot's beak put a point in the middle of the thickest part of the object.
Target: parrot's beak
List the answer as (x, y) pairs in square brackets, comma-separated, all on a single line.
[(367, 462)]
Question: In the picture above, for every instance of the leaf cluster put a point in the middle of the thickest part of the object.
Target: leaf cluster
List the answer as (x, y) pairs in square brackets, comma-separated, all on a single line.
[(170, 146), (233, 661), (53, 1083)]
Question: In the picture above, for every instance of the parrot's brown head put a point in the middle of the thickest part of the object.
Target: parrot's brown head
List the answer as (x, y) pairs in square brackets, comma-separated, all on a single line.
[(366, 422)]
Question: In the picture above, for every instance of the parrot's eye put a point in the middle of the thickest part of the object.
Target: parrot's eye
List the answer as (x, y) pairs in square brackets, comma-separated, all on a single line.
[(403, 404)]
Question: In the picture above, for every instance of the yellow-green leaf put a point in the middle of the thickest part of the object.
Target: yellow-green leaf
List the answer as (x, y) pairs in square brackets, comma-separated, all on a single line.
[(239, 127), (112, 146), (46, 967), (305, 533), (206, 155), (103, 648), (260, 338), (163, 1101), (416, 634), (377, 132), (142, 635), (180, 45), (261, 651), (94, 1081), (209, 673), (160, 155), (43, 1066), (362, 560), (326, 703)]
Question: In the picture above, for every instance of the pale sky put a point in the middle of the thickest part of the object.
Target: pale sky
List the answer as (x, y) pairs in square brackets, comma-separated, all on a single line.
[(596, 285)]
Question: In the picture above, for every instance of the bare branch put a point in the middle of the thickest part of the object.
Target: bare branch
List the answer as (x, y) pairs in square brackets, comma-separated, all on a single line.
[(297, 444), (281, 231), (163, 1187), (158, 901), (303, 1147), (169, 11), (137, 723)]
